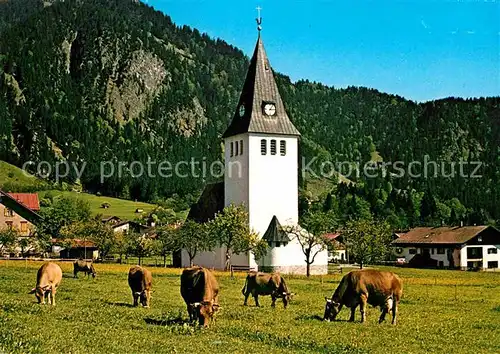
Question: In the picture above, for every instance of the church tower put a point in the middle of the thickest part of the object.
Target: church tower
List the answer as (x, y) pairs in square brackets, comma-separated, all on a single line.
[(261, 173), (261, 152)]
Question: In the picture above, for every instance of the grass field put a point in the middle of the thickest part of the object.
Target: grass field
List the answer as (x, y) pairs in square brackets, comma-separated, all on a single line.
[(124, 209), (13, 177), (441, 312)]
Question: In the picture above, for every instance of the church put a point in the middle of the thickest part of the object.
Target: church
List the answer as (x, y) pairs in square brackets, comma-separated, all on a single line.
[(261, 173)]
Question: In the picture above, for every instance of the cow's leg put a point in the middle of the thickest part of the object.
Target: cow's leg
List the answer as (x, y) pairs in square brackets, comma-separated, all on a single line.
[(362, 307), (394, 311), (246, 299), (75, 274), (273, 298), (353, 313), (256, 297), (190, 312), (382, 315), (48, 297), (136, 298), (53, 296)]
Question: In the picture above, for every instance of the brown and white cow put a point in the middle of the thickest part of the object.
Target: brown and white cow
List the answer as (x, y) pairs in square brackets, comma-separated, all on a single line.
[(258, 283), (48, 278), (85, 267), (140, 281), (362, 287), (200, 291)]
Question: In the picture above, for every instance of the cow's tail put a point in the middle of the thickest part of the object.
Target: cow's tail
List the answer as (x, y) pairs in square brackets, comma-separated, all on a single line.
[(244, 290)]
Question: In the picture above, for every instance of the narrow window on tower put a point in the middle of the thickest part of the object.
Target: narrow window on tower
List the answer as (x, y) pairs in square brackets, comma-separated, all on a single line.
[(241, 147), (236, 148), (232, 149), (282, 147), (273, 147), (263, 147)]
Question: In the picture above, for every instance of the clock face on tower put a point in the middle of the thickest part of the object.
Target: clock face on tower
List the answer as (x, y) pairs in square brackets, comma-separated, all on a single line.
[(241, 110), (270, 109)]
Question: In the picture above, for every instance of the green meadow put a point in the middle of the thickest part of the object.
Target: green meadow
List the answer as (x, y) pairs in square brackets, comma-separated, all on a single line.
[(441, 312)]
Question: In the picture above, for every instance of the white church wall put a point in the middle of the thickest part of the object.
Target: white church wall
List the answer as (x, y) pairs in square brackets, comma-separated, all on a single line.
[(273, 188), (290, 259), (236, 171), (216, 259)]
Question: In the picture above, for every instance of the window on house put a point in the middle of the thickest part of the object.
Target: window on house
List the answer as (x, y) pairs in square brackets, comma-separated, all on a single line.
[(432, 250), (493, 264), (474, 252), (273, 147), (440, 250), (492, 251), (9, 224), (24, 226), (278, 244), (282, 147), (241, 147), (232, 149), (236, 148), (263, 147), (8, 212), (412, 251)]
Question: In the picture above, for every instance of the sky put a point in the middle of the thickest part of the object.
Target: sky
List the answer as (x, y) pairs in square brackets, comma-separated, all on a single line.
[(420, 49)]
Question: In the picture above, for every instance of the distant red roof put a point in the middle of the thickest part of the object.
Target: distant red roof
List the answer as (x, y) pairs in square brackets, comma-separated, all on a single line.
[(29, 200), (331, 236)]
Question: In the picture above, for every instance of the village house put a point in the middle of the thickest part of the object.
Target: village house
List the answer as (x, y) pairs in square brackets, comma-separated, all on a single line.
[(125, 226), (19, 211), (468, 247), (338, 253)]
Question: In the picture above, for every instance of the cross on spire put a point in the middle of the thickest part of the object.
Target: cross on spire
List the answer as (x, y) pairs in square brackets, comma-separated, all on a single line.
[(259, 18)]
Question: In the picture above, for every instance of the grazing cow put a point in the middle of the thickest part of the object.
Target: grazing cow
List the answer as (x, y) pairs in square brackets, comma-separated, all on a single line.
[(266, 284), (140, 281), (200, 291), (364, 287), (48, 278), (84, 266)]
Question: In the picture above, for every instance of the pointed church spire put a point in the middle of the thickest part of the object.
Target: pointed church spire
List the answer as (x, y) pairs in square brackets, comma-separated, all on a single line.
[(260, 108)]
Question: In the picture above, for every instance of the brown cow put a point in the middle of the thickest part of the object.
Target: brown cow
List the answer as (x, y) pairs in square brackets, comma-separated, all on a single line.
[(85, 267), (258, 283), (48, 278), (360, 287), (140, 281), (200, 291)]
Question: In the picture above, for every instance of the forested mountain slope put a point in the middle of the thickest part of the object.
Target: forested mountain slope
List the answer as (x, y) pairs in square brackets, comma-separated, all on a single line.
[(114, 80)]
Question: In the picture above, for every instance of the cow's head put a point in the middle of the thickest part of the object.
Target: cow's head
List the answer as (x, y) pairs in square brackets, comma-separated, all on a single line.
[(145, 297), (39, 292), (205, 311), (332, 309), (287, 297)]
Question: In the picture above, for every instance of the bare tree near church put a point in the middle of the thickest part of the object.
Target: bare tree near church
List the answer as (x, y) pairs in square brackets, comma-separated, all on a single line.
[(310, 235), (230, 229)]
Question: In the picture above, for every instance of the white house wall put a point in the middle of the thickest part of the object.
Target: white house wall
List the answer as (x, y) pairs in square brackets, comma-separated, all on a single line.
[(463, 255), (486, 257)]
